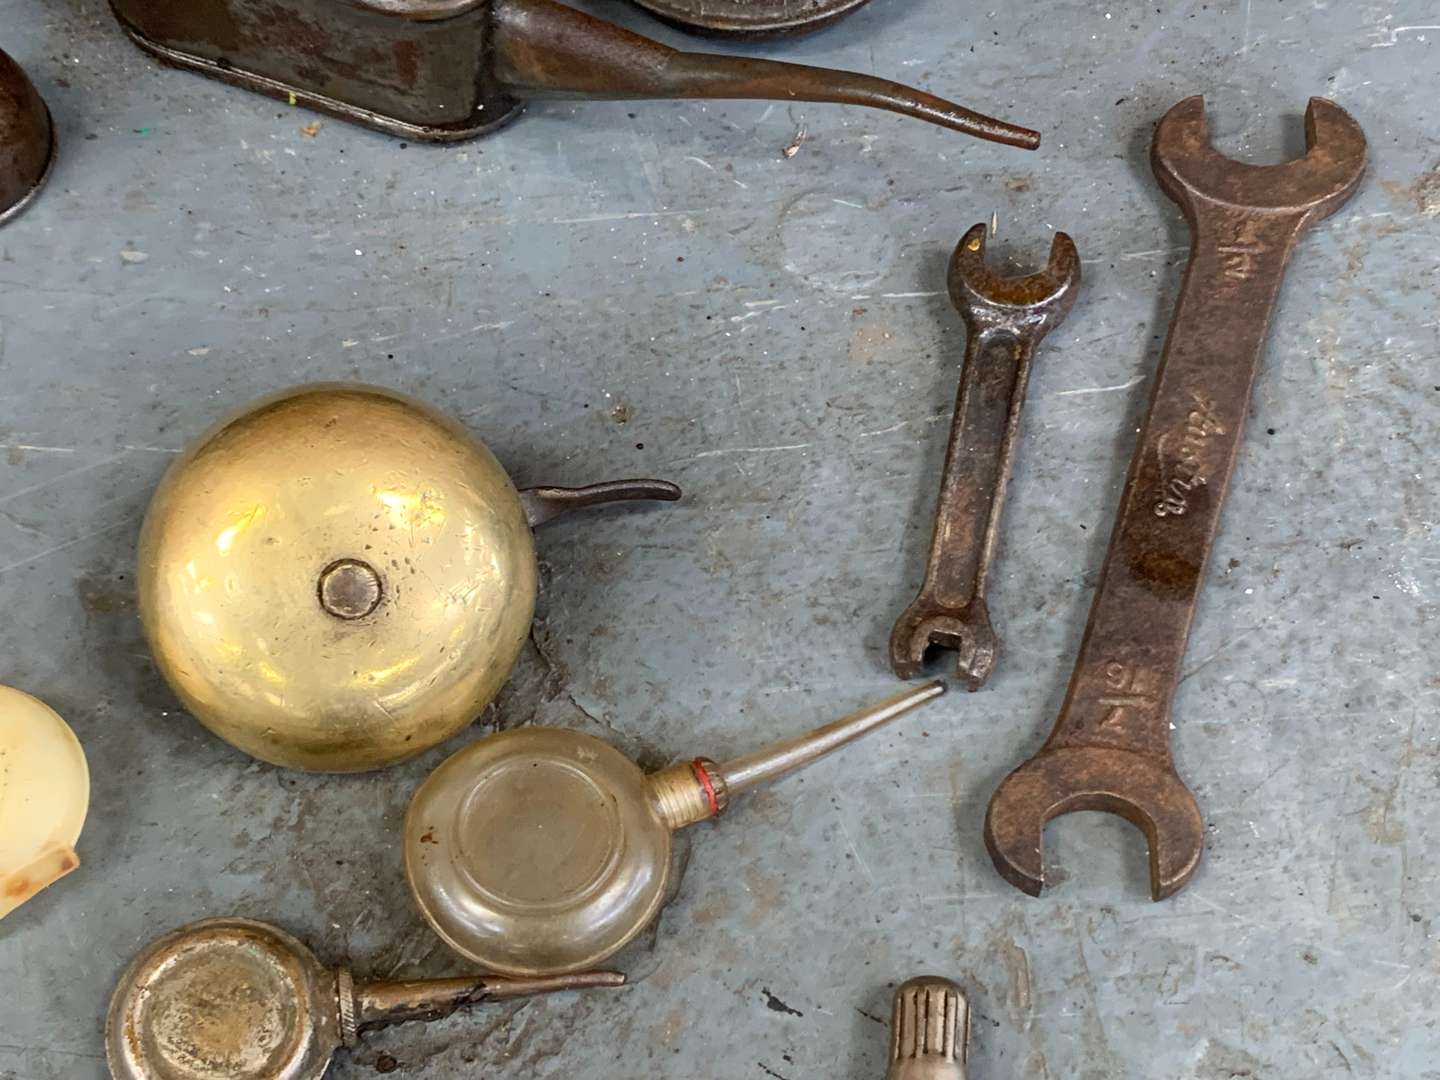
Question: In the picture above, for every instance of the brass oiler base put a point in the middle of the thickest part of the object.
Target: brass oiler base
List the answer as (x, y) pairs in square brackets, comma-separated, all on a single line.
[(223, 999)]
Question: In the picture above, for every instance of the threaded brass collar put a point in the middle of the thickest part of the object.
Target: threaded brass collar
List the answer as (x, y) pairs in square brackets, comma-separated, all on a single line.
[(689, 792)]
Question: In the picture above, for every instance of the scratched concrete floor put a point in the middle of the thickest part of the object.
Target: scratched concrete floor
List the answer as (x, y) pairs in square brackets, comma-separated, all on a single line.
[(653, 288)]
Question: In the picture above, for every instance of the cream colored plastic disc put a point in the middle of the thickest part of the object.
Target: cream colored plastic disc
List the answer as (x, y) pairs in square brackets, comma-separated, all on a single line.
[(44, 794)]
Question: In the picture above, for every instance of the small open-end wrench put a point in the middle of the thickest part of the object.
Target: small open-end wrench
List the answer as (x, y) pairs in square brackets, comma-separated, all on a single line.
[(1006, 319), (1110, 747)]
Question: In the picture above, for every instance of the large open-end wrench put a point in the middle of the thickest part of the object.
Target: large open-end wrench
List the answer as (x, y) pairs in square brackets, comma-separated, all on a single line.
[(1006, 318), (1110, 747)]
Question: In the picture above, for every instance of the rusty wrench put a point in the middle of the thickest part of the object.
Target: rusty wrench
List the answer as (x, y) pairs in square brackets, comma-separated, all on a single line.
[(1110, 747), (1006, 318)]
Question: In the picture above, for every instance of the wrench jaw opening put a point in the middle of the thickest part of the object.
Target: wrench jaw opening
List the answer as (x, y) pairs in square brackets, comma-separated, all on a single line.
[(922, 628), (1063, 780), (983, 296), (1192, 171)]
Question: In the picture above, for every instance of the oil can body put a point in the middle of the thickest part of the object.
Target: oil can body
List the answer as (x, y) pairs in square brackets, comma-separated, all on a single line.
[(415, 68)]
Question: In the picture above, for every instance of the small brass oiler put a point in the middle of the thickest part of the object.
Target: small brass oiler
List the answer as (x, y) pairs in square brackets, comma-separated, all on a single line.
[(540, 851), (238, 999), (339, 577)]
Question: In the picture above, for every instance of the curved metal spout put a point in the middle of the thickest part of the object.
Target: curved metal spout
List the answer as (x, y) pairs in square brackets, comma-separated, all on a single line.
[(543, 48), (393, 1002)]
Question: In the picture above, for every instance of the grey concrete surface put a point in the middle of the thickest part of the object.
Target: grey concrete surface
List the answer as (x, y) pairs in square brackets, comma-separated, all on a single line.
[(654, 288)]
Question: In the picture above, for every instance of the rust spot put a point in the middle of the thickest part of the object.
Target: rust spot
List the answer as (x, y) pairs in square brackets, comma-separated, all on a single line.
[(407, 62), (203, 20), (102, 594), (428, 836), (1166, 573)]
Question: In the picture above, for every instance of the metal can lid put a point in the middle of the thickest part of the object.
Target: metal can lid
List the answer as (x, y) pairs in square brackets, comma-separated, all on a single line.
[(751, 18)]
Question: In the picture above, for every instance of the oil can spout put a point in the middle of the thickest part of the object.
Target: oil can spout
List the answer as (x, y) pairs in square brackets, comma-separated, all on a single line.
[(377, 1004), (545, 49), (762, 766), (695, 791)]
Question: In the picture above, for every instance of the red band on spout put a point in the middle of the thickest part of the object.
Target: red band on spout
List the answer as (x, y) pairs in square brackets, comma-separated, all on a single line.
[(703, 775)]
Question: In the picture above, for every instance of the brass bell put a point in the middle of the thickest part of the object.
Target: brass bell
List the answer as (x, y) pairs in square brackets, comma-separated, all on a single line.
[(27, 140), (237, 999), (539, 851), (339, 577)]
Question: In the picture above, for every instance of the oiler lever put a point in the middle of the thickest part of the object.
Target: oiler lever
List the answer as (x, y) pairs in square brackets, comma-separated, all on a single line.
[(543, 504)]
